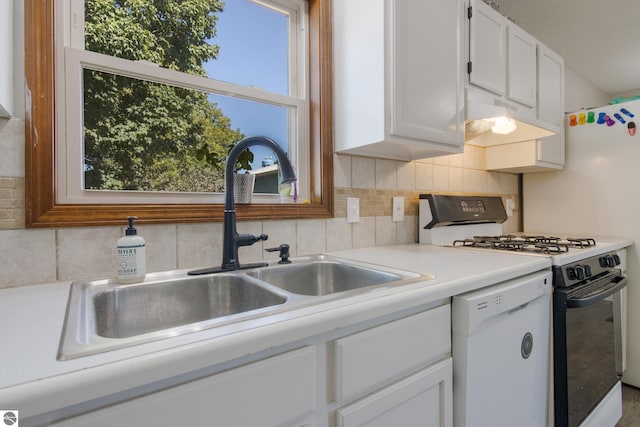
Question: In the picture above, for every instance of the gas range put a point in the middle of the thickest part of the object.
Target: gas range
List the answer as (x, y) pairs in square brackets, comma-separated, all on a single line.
[(475, 222), (587, 294)]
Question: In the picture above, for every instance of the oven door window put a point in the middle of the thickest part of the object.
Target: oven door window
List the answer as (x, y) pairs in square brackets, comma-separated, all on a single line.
[(591, 358)]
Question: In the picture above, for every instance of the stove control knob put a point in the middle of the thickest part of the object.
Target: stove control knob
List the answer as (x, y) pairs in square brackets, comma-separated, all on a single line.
[(610, 261), (579, 272), (616, 259), (603, 261), (571, 273), (587, 270)]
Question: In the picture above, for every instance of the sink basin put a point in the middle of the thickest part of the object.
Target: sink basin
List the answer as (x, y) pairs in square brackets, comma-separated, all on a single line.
[(323, 277), (105, 315), (135, 310)]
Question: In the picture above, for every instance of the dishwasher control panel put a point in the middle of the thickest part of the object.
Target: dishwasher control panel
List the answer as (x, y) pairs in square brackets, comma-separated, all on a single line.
[(474, 308)]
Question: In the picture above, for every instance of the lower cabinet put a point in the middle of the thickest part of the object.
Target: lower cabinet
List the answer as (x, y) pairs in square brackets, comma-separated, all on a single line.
[(423, 399), (391, 371), (403, 368), (272, 392)]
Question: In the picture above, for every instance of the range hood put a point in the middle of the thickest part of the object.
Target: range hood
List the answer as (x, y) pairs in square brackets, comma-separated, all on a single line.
[(483, 110)]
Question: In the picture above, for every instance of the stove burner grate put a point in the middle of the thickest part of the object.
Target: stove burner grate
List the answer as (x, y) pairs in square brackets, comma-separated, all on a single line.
[(526, 243)]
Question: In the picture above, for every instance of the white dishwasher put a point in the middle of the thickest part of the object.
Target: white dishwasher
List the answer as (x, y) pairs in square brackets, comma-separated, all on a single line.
[(501, 353)]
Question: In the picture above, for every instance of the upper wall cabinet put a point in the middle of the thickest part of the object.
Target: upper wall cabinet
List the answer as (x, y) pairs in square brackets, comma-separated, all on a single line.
[(487, 48), (521, 66), (502, 56), (398, 78), (546, 153)]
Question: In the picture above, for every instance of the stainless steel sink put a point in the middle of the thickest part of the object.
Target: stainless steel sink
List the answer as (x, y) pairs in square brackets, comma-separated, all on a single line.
[(323, 277), (134, 310), (104, 315)]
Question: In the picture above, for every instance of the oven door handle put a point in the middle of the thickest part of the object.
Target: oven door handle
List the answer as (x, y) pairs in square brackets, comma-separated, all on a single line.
[(605, 292)]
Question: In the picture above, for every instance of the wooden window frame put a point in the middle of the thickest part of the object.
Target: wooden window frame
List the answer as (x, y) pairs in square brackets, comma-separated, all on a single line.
[(41, 208)]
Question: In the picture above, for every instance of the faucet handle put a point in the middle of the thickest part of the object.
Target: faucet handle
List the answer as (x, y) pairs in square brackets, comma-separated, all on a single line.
[(284, 253)]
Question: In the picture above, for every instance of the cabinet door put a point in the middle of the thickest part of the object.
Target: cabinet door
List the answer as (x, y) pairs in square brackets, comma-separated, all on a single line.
[(487, 52), (550, 86), (421, 400), (272, 392), (521, 66), (551, 104), (426, 80)]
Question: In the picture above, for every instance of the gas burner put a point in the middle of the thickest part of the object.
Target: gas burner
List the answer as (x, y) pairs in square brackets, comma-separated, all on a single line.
[(509, 242), (581, 243)]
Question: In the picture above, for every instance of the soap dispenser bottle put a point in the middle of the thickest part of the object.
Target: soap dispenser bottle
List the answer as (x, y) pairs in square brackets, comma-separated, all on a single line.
[(131, 255)]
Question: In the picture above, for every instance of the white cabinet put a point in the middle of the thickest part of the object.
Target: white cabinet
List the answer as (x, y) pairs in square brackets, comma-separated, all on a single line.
[(521, 66), (551, 105), (390, 371), (421, 400), (381, 354), (398, 77), (502, 56), (546, 153), (487, 48), (397, 351), (277, 391)]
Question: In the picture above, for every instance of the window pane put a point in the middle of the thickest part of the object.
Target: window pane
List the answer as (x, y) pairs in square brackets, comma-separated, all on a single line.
[(253, 43), (258, 119), (146, 136), (238, 41)]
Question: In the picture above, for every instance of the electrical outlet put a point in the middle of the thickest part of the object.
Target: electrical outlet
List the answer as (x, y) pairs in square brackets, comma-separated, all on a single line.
[(353, 209), (511, 205), (398, 209)]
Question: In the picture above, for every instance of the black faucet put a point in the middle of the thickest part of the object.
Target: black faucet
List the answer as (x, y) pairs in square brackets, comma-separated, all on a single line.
[(231, 240)]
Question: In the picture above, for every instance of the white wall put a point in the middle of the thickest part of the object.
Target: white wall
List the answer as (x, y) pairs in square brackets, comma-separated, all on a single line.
[(579, 93)]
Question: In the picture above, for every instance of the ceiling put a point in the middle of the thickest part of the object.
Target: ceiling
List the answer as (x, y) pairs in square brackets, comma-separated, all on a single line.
[(599, 40)]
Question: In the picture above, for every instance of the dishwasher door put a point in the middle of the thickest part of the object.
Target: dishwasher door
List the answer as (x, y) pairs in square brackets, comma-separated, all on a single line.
[(500, 343)]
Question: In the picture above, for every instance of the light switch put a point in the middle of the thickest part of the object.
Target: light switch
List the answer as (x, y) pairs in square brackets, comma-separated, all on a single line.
[(353, 209), (398, 209)]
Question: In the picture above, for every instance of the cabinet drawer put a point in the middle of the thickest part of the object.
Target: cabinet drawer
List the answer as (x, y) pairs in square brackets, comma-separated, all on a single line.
[(380, 354), (424, 399)]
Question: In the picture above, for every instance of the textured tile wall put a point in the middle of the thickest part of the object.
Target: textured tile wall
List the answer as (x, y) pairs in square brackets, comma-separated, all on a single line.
[(35, 256)]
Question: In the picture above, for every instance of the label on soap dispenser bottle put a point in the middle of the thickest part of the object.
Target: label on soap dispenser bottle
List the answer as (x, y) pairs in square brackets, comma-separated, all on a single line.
[(131, 262)]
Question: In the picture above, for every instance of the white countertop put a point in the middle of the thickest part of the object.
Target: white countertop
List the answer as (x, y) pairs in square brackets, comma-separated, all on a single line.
[(31, 319)]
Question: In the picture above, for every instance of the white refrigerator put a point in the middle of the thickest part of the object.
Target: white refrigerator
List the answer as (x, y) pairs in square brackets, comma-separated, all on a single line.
[(597, 194)]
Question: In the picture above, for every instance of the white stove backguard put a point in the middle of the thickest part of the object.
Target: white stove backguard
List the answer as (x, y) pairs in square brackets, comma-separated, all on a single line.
[(444, 236)]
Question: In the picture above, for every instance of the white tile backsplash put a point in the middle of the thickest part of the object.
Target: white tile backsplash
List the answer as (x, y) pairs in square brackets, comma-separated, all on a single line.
[(199, 245), (364, 232), (28, 256), (363, 174), (406, 175), (12, 147), (386, 174), (36, 255), (161, 243), (311, 236), (87, 252), (385, 231), (341, 171), (339, 235), (424, 177)]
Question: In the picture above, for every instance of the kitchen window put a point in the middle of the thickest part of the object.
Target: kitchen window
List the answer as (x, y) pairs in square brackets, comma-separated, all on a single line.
[(84, 194)]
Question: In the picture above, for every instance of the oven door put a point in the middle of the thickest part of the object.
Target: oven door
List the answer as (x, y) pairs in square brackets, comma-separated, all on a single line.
[(587, 347)]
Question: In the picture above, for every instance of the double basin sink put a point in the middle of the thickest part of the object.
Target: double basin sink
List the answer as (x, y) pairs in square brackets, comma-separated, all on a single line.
[(104, 315)]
